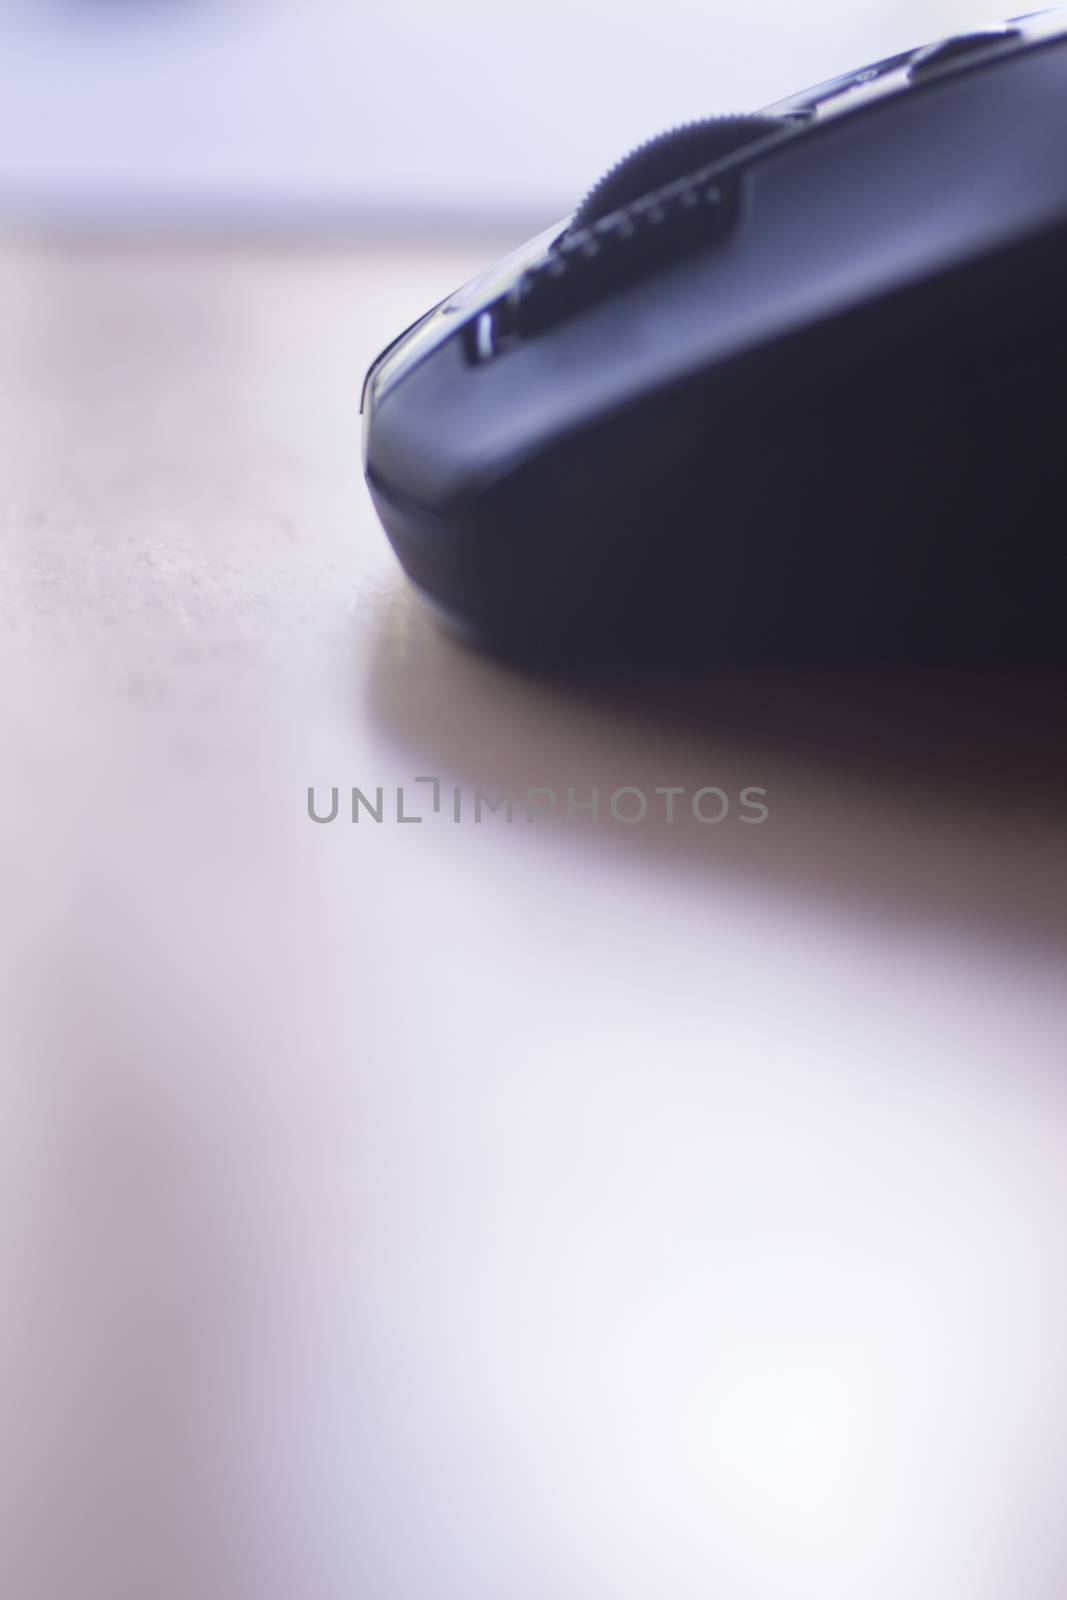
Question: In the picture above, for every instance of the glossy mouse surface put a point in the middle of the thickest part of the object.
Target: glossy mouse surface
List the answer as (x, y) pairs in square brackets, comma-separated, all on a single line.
[(786, 388)]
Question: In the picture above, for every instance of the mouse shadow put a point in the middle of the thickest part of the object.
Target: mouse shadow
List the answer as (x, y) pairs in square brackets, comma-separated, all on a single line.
[(939, 797)]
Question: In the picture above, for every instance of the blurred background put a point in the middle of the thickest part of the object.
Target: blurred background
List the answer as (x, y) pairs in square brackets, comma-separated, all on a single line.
[(413, 113), (444, 1212)]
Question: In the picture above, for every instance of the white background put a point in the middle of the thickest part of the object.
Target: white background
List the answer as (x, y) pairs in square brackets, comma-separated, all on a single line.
[(403, 113)]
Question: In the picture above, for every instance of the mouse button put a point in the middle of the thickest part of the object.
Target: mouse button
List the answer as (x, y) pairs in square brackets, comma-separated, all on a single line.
[(959, 47)]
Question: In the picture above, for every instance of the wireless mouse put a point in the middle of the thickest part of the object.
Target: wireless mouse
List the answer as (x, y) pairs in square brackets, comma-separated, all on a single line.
[(786, 388)]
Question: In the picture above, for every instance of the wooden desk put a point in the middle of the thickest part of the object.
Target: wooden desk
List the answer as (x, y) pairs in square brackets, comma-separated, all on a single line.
[(551, 1208)]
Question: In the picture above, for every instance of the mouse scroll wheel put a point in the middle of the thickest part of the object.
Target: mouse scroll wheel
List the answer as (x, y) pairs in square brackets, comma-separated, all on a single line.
[(665, 198), (670, 156)]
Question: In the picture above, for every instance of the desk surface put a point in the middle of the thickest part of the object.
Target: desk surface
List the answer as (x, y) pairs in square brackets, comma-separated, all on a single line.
[(551, 1209)]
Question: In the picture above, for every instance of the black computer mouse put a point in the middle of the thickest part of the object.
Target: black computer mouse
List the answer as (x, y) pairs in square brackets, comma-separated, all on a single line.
[(786, 388)]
